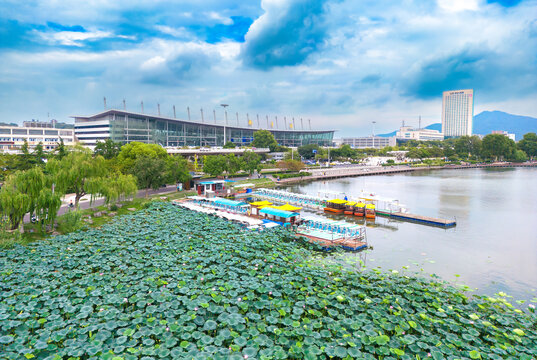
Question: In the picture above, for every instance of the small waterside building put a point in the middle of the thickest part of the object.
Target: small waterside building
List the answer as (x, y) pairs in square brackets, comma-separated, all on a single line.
[(279, 216), (258, 205)]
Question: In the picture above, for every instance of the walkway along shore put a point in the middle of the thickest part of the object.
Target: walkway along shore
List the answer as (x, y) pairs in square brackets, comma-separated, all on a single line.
[(335, 173)]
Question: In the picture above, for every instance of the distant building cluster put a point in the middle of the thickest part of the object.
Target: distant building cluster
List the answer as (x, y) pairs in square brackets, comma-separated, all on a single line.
[(365, 142), (505, 133), (12, 137), (406, 133)]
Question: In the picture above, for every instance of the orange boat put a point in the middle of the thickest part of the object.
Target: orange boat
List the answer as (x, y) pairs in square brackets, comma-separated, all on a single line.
[(336, 206), (349, 208), (359, 209), (370, 211)]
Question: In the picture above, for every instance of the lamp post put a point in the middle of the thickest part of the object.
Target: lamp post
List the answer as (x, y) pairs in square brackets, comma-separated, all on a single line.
[(225, 112)]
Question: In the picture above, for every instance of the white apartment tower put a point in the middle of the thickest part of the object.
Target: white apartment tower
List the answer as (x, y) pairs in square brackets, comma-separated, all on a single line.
[(457, 112)]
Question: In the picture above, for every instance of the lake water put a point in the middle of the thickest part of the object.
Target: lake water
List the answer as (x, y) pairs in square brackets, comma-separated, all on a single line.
[(494, 245)]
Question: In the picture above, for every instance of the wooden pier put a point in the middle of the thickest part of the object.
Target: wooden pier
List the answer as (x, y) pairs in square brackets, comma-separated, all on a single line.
[(426, 220)]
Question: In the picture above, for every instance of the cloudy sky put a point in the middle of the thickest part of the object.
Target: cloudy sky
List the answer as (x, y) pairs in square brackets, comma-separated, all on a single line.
[(340, 63)]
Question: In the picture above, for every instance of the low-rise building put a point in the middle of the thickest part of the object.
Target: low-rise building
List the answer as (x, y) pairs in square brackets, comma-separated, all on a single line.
[(13, 137), (406, 133), (376, 142), (505, 133)]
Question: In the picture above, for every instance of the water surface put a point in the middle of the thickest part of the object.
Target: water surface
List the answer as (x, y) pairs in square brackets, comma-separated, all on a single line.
[(494, 245)]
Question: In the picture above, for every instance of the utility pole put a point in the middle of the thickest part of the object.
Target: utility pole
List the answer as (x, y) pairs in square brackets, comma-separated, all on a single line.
[(294, 127), (142, 106), (124, 105), (214, 115), (104, 102), (202, 115), (276, 121), (309, 121), (258, 126), (174, 112), (158, 107), (285, 123), (267, 123), (237, 118), (188, 111)]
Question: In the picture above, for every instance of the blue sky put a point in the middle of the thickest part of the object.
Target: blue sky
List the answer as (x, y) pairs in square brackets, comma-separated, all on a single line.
[(340, 63)]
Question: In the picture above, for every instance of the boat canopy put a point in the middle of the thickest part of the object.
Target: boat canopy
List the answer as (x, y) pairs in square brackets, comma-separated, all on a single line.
[(261, 203), (370, 206), (351, 203), (360, 204), (287, 207), (278, 212), (227, 202), (337, 201)]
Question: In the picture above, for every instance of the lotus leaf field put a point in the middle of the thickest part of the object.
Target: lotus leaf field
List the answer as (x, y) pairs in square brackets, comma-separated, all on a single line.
[(167, 283)]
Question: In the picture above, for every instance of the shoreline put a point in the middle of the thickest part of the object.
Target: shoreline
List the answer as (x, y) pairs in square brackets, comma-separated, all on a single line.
[(336, 173)]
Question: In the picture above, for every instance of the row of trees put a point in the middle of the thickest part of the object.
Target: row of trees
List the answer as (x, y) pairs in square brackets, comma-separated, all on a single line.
[(492, 147), (37, 181), (217, 165)]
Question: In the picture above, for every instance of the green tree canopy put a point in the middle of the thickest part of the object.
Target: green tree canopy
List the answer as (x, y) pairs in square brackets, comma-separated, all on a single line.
[(150, 171), (84, 174), (528, 144), (61, 151), (250, 162), (291, 165), (177, 169), (107, 149), (466, 146), (39, 153), (306, 151), (264, 139), (233, 163), (214, 165), (131, 151), (497, 146)]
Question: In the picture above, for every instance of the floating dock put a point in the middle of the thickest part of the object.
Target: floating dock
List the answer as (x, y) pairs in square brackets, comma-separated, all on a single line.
[(426, 220)]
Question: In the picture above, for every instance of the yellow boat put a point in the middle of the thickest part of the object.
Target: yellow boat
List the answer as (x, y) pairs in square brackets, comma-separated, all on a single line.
[(336, 206)]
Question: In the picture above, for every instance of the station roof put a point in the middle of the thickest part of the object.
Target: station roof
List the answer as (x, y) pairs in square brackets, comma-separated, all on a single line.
[(227, 202)]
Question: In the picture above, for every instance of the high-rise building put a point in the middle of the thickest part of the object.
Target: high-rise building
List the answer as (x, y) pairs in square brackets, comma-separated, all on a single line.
[(457, 112)]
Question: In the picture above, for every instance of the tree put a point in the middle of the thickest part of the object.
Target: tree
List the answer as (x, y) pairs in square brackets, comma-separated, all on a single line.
[(291, 165), (108, 149), (14, 204), (177, 169), (39, 153), (60, 150), (528, 144), (519, 156), (234, 163), (229, 145), (84, 174), (131, 151), (26, 159), (264, 139), (497, 146), (467, 146), (306, 151), (250, 162), (150, 172), (214, 165)]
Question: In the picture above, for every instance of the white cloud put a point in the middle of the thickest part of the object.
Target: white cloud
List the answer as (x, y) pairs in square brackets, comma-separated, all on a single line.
[(219, 18), (73, 38), (458, 5)]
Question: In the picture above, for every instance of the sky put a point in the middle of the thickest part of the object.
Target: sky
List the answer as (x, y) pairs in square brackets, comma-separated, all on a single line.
[(341, 63)]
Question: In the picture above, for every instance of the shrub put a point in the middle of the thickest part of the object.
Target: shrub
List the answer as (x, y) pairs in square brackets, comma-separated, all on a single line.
[(70, 222)]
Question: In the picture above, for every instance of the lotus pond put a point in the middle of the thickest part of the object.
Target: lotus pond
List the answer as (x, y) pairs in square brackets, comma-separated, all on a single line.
[(167, 283)]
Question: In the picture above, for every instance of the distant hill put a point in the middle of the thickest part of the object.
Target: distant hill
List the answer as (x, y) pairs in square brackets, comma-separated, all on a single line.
[(488, 121)]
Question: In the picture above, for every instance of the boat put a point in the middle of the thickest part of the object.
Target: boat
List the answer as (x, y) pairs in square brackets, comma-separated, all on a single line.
[(336, 206), (359, 209), (349, 208), (370, 211)]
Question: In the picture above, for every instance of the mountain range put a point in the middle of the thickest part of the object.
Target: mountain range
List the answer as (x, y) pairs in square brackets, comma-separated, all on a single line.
[(488, 121)]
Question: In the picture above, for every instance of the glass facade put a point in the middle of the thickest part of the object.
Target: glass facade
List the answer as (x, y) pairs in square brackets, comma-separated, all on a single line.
[(125, 127)]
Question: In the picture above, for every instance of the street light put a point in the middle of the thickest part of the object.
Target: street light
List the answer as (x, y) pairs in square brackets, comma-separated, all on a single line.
[(225, 112)]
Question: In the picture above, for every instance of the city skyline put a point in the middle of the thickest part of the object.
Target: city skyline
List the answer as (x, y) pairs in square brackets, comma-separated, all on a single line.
[(341, 64)]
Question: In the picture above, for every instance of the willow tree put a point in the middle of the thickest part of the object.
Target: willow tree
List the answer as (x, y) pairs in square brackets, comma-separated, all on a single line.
[(81, 173), (14, 204)]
